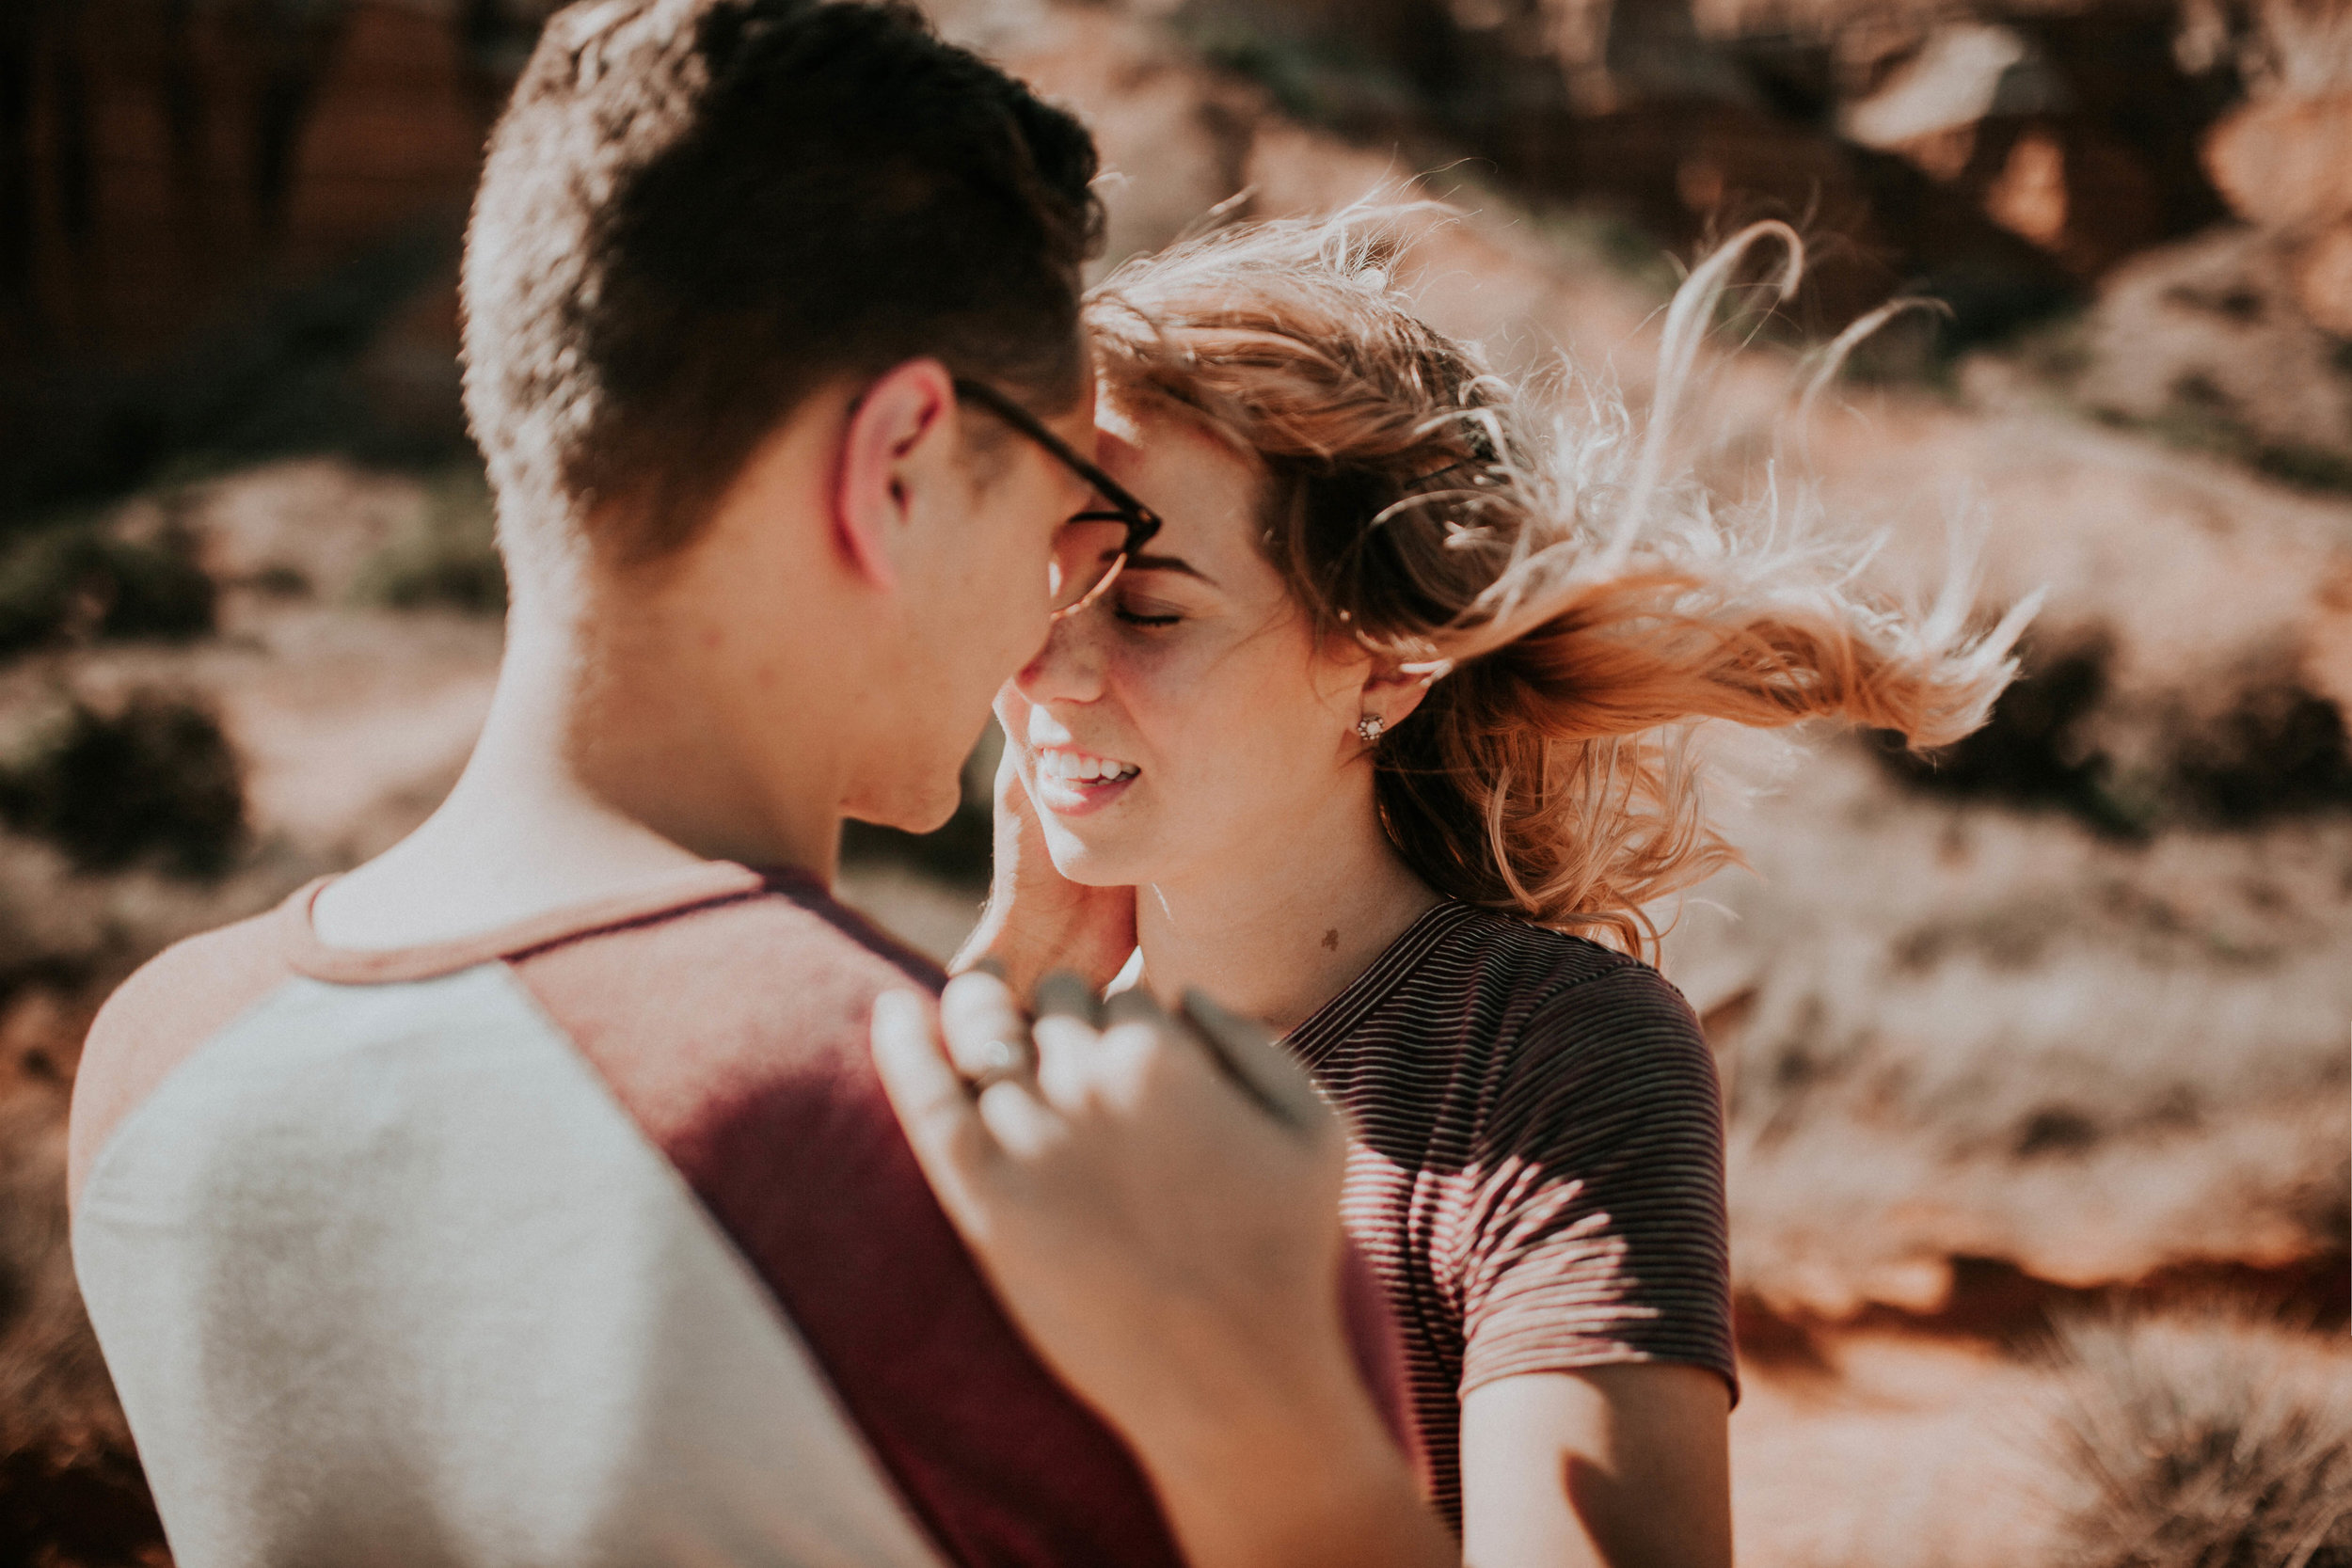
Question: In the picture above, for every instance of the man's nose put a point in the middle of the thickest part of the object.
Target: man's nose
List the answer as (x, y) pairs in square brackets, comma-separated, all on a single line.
[(1069, 668)]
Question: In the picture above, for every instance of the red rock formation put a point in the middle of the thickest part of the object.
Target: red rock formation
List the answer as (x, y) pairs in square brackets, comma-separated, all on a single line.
[(161, 157)]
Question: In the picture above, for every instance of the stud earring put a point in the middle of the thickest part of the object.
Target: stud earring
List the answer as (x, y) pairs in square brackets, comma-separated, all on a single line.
[(1369, 727)]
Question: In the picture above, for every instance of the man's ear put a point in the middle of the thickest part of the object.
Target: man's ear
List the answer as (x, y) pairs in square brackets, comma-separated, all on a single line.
[(903, 421)]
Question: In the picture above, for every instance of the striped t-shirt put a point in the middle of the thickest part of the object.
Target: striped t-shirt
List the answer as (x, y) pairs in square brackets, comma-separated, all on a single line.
[(1538, 1171)]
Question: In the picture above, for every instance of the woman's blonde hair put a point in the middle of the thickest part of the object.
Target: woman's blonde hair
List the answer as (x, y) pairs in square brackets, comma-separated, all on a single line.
[(1576, 612)]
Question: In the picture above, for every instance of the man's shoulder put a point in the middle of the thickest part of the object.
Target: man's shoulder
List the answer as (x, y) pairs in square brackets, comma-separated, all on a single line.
[(231, 965), (733, 1035), (792, 926), (723, 977), (698, 1010), (784, 944), (159, 1016)]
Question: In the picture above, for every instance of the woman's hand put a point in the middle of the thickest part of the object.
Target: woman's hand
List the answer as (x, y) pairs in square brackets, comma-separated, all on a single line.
[(1037, 920), (1157, 1206)]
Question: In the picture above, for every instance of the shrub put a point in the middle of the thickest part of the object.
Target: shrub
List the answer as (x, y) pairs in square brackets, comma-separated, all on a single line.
[(156, 778), (2059, 737), (71, 1491), (76, 582), (2212, 1443), (449, 557)]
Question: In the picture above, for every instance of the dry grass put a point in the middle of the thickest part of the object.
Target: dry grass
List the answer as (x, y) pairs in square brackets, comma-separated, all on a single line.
[(2288, 48), (2206, 1438), (2202, 1442), (1886, 1457), (1955, 1029), (448, 555), (2084, 1009), (71, 1491)]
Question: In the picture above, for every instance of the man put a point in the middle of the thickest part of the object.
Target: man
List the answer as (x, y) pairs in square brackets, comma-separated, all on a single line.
[(527, 1195)]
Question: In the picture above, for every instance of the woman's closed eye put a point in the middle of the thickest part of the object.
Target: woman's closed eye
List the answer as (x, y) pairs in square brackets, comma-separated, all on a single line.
[(1146, 612)]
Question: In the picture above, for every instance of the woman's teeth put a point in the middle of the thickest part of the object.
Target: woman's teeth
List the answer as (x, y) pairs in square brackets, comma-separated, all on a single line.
[(1077, 767)]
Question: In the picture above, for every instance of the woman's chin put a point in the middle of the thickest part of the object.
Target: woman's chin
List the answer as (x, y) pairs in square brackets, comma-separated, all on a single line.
[(1087, 861)]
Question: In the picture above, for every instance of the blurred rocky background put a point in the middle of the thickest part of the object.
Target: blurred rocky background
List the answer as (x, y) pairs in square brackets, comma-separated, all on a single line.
[(2038, 1055)]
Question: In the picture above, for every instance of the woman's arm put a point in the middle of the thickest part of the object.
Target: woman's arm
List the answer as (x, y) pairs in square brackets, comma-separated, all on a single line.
[(1157, 1207), (1595, 1297), (1619, 1467)]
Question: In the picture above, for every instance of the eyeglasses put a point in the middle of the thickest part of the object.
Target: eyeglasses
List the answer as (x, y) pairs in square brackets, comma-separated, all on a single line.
[(1091, 545)]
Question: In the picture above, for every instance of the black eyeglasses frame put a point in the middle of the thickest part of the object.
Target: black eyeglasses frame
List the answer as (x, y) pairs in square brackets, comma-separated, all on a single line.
[(1140, 520)]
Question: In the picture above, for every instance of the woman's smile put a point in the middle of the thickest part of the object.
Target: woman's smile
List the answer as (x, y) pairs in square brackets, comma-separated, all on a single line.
[(1068, 782)]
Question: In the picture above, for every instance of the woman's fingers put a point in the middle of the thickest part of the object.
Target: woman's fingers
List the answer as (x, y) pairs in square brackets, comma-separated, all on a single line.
[(1244, 1054), (1005, 1085), (943, 1125), (1069, 1014), (1063, 994), (989, 1041)]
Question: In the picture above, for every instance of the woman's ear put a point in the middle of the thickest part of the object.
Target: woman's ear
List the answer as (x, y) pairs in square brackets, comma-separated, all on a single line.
[(898, 435), (1393, 692)]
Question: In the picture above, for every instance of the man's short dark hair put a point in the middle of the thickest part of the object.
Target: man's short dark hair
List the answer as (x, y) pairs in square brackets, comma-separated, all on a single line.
[(695, 212)]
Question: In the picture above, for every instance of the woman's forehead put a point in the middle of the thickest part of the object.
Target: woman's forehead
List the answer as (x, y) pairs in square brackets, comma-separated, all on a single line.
[(1207, 495)]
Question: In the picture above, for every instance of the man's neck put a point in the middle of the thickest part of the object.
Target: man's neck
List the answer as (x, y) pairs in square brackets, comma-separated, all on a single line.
[(597, 770), (1276, 935)]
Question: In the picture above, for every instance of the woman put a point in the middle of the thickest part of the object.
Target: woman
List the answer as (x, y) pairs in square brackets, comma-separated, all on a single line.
[(1385, 745)]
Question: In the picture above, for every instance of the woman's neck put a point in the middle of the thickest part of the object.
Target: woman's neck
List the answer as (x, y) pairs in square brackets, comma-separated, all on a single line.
[(1275, 935)]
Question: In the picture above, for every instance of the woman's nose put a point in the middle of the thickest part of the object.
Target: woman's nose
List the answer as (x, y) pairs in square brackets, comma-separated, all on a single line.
[(1069, 668)]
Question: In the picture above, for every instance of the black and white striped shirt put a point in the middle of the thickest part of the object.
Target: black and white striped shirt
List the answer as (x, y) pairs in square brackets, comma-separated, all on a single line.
[(1538, 1171)]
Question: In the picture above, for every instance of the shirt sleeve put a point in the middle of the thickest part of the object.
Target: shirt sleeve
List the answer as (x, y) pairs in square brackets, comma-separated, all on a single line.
[(1596, 1231)]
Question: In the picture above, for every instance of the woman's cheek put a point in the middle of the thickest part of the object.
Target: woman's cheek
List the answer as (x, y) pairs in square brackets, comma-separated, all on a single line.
[(1157, 682), (1177, 715)]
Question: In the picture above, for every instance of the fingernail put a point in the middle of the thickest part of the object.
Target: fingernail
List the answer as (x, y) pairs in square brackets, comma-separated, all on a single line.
[(1063, 993), (1128, 1005)]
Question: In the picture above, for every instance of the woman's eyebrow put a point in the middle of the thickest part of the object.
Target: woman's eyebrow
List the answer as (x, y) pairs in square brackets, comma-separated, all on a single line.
[(1168, 564)]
